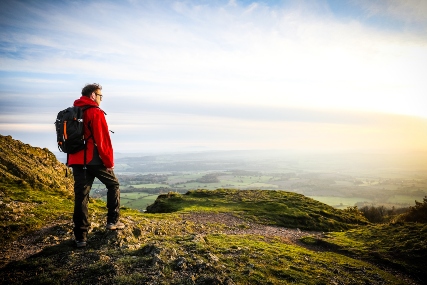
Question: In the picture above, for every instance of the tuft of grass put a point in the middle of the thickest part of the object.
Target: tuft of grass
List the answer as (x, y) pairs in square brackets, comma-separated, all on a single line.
[(279, 208)]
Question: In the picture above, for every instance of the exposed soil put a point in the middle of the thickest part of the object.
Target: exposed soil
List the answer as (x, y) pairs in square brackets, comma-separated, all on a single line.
[(35, 242), (238, 226)]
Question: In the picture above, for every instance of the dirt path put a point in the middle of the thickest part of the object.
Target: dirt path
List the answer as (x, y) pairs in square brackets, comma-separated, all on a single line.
[(238, 226)]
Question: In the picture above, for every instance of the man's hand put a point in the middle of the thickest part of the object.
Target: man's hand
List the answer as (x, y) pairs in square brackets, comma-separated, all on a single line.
[(110, 169)]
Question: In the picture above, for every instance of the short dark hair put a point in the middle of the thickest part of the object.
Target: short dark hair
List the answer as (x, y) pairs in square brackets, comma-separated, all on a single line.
[(89, 88)]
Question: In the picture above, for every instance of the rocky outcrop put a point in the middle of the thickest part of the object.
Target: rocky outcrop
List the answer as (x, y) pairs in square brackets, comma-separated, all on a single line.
[(31, 166)]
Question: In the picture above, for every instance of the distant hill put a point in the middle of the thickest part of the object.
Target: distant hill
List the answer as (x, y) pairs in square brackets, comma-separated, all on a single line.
[(279, 208), (223, 236)]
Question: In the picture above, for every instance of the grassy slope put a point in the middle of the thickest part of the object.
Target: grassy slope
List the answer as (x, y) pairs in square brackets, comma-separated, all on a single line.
[(402, 246), (34, 189), (24, 209), (164, 248)]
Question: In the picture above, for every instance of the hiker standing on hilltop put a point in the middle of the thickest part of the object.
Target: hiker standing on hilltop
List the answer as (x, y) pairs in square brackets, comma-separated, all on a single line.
[(94, 161)]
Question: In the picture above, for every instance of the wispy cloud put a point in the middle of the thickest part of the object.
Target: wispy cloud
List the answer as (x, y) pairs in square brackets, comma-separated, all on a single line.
[(410, 11)]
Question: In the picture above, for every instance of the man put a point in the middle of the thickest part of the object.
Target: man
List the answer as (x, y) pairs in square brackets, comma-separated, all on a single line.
[(98, 159)]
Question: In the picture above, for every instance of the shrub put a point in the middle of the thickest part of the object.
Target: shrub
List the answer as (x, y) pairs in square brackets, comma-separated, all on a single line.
[(417, 213), (381, 214)]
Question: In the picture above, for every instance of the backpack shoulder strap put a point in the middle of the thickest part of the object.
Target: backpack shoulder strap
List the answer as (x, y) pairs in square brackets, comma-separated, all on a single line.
[(84, 108)]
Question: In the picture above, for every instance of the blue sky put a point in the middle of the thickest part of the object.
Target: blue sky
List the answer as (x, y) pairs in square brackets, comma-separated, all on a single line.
[(183, 75)]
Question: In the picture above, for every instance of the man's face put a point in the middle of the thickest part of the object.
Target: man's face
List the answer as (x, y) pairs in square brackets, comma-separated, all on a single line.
[(98, 96)]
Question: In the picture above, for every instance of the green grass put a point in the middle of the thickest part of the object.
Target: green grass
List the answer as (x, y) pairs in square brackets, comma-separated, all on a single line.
[(289, 264), (403, 246), (244, 259), (216, 257), (25, 209), (164, 248), (279, 208)]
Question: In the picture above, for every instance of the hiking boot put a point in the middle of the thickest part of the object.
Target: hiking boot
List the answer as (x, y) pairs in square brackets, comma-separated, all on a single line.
[(80, 243), (115, 226)]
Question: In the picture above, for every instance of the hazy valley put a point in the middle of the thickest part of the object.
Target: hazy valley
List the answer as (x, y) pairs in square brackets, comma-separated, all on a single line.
[(340, 180)]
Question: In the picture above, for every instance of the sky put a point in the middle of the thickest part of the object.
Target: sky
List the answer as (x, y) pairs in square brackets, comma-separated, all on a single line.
[(326, 75)]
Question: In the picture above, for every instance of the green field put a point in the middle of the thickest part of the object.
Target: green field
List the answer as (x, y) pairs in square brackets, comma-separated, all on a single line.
[(140, 200), (150, 185), (136, 200), (340, 191), (187, 181), (406, 199), (339, 202)]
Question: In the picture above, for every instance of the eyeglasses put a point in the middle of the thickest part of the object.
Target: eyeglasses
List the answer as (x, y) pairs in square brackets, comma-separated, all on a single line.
[(100, 95)]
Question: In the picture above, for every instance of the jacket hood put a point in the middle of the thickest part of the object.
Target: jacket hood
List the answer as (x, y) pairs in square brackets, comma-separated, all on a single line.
[(84, 101)]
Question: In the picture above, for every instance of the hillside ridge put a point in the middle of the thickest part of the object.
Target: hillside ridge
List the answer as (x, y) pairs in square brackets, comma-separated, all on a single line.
[(33, 166), (222, 236)]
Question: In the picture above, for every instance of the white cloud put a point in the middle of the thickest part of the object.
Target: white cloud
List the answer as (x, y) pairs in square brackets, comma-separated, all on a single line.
[(292, 59), (28, 128), (227, 61)]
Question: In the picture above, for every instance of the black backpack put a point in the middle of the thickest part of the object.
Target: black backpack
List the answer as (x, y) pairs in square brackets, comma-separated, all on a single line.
[(70, 129)]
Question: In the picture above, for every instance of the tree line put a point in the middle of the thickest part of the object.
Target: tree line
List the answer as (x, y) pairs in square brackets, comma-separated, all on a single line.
[(381, 214)]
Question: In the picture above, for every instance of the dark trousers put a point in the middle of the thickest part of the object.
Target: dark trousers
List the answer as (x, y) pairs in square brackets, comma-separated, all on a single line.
[(82, 186)]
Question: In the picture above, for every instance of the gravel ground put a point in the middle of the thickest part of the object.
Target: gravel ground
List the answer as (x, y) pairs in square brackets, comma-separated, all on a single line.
[(238, 226)]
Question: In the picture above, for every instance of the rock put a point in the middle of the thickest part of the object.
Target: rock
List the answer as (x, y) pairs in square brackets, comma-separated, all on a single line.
[(180, 263), (159, 232), (213, 257), (137, 232), (199, 238), (156, 261), (150, 249), (209, 280)]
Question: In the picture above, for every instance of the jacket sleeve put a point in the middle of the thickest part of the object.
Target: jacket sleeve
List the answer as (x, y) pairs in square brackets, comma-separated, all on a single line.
[(102, 138)]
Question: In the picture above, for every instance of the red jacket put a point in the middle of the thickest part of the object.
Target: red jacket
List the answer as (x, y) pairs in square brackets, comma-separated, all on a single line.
[(99, 149)]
